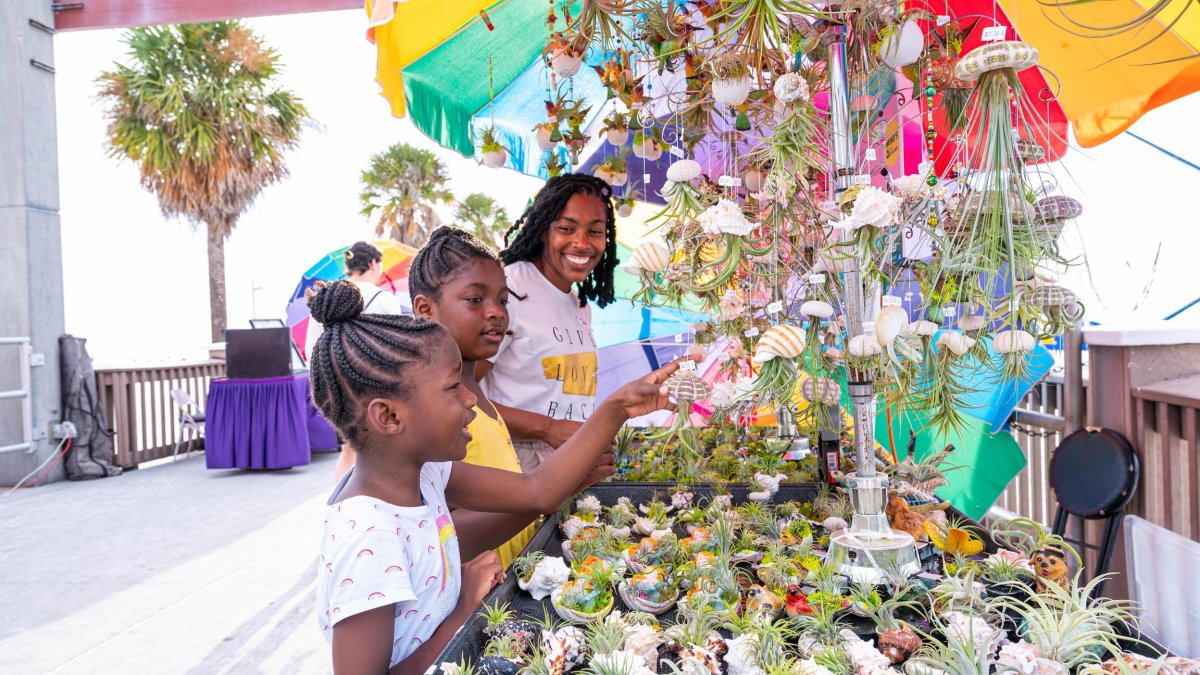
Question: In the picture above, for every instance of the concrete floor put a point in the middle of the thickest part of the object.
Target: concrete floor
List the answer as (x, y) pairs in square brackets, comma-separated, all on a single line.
[(171, 569)]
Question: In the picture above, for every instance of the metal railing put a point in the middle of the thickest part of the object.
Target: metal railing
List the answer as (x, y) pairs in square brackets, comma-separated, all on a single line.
[(140, 408), (24, 393)]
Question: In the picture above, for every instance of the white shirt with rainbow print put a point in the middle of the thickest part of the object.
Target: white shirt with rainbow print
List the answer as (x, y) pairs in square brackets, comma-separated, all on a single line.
[(374, 553)]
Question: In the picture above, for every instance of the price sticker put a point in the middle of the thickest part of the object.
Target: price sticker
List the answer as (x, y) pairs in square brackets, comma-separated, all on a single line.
[(751, 332), (950, 311), (816, 278), (675, 151), (943, 19), (995, 33), (891, 301), (686, 366), (722, 356), (645, 179), (775, 307), (870, 154), (729, 181), (860, 179), (678, 337), (868, 328)]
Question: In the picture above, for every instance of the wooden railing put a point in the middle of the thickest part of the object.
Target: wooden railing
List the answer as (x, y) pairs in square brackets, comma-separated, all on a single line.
[(1038, 429), (141, 410), (1166, 417)]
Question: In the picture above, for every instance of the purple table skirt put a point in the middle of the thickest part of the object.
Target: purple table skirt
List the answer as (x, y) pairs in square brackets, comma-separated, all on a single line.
[(258, 424)]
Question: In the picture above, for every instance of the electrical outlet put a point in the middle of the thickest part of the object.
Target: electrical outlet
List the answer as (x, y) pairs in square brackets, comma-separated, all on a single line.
[(64, 430)]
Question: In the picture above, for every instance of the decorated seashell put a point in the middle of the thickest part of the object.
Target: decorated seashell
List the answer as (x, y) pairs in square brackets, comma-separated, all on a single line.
[(820, 389), (863, 345), (995, 56), (971, 322), (957, 343), (899, 644), (565, 63), (731, 92), (575, 616), (783, 340), (651, 577), (1052, 296), (920, 329), (769, 484), (687, 386), (888, 324), (564, 649), (617, 137), (652, 256), (1030, 152), (683, 170), (833, 524), (817, 309), (549, 574), (1013, 341), (1058, 207)]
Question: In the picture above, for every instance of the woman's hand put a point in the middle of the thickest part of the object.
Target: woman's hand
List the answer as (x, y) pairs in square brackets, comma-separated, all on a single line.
[(558, 431), (647, 395)]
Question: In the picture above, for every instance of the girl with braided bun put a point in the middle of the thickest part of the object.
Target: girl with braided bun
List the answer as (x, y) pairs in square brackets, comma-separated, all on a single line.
[(391, 589), (560, 256)]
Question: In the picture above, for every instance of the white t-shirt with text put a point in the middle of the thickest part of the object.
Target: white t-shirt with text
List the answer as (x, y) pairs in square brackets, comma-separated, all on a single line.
[(374, 553), (548, 365)]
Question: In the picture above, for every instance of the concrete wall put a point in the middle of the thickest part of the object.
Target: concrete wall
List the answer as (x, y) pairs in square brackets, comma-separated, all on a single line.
[(31, 280)]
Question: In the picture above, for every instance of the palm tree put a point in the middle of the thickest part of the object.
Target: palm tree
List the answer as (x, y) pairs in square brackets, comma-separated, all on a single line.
[(404, 183), (197, 108), (483, 217)]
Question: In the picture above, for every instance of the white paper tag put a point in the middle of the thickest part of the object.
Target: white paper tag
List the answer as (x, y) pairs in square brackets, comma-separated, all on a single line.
[(860, 179), (868, 328), (775, 307), (949, 311), (816, 278), (678, 152), (943, 19), (995, 33), (891, 301), (751, 332), (869, 154), (729, 181), (645, 179), (688, 365), (678, 337), (722, 356)]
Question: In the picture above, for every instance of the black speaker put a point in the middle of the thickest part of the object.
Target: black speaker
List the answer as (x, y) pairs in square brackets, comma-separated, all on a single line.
[(257, 353)]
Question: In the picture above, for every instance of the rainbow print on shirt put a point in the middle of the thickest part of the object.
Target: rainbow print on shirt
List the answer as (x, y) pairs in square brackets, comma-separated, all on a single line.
[(445, 532)]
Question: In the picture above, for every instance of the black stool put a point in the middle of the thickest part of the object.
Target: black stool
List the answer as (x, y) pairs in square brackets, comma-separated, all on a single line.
[(1094, 473)]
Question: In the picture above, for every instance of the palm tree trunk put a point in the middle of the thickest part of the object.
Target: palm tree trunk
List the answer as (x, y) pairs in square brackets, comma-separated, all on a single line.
[(216, 279)]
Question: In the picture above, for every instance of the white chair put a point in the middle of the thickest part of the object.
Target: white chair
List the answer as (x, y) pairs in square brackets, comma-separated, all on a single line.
[(188, 421)]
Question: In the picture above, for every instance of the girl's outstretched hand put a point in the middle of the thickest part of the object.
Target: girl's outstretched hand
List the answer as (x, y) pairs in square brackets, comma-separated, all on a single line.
[(647, 395)]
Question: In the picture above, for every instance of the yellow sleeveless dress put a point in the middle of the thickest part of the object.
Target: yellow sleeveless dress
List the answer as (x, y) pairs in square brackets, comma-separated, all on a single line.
[(491, 446)]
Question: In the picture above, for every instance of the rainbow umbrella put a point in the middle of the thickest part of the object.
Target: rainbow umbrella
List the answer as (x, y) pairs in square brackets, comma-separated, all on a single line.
[(332, 266)]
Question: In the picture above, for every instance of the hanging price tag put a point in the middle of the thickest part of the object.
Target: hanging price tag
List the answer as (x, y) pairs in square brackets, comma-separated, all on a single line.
[(675, 151), (678, 337), (686, 366), (775, 307), (645, 179), (868, 328), (816, 278), (995, 33), (943, 19), (860, 179), (729, 181), (891, 301), (751, 332), (722, 356), (950, 311), (869, 154)]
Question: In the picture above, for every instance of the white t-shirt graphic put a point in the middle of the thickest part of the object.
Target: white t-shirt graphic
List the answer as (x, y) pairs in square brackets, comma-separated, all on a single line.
[(374, 553), (548, 365)]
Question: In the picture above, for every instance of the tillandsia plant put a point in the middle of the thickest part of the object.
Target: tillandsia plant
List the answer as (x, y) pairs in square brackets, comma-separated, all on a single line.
[(756, 28), (777, 356), (1028, 536), (685, 387)]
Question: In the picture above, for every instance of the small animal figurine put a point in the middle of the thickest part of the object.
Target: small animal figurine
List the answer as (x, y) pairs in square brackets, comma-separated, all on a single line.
[(899, 644), (1050, 564), (903, 518), (797, 602), (762, 601)]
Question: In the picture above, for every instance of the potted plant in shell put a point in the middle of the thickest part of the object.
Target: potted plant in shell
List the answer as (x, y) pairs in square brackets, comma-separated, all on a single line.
[(493, 153), (616, 128), (588, 596), (614, 170), (564, 54), (731, 80), (647, 145)]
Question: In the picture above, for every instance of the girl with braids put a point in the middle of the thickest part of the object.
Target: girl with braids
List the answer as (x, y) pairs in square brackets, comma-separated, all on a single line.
[(560, 256), (364, 267), (391, 589)]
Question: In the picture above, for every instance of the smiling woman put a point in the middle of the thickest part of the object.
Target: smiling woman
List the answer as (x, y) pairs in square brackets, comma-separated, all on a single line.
[(560, 257)]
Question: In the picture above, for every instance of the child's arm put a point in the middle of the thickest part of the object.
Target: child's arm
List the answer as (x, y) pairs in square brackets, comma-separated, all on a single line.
[(483, 489), (479, 532), (363, 643)]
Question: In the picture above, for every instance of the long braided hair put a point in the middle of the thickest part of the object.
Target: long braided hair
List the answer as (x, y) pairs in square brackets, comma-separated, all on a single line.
[(362, 356), (444, 257), (547, 206)]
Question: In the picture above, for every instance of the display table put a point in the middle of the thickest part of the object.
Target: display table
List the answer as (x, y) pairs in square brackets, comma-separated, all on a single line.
[(258, 424)]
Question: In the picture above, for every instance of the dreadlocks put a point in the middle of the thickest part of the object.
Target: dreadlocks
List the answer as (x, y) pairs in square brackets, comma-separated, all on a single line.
[(547, 206), (442, 258), (361, 356)]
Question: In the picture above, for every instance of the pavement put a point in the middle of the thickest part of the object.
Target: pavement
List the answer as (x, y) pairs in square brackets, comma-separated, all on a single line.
[(170, 569)]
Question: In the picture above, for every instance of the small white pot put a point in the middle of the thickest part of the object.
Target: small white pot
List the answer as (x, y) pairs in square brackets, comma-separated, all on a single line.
[(543, 139), (618, 179), (618, 137), (902, 47), (625, 210), (495, 159), (648, 150), (731, 92), (565, 64), (752, 179)]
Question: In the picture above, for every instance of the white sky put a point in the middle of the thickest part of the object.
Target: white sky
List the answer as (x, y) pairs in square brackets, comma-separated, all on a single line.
[(136, 283)]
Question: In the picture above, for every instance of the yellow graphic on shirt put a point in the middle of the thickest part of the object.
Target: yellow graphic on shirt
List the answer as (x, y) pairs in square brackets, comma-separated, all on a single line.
[(577, 372)]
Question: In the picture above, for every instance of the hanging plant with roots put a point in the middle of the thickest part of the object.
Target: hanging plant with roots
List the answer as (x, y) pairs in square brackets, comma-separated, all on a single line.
[(685, 387)]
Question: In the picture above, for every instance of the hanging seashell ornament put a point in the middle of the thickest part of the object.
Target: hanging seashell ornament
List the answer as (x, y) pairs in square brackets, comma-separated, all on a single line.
[(783, 340), (820, 390), (1013, 342), (818, 309)]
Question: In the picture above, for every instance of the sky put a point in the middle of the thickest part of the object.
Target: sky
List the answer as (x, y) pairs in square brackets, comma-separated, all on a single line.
[(136, 283)]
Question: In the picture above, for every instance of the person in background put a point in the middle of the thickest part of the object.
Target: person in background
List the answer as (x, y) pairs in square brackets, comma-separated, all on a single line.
[(364, 267), (560, 256)]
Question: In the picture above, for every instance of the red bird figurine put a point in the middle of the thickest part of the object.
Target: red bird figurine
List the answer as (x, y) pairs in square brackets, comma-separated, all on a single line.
[(797, 602)]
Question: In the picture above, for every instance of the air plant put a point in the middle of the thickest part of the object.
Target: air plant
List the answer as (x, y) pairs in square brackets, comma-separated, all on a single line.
[(823, 626), (754, 27), (1028, 537), (961, 651), (777, 353), (686, 388), (925, 475), (495, 615), (525, 565)]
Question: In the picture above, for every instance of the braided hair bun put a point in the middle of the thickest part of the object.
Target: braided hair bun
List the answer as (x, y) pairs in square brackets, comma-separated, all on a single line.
[(333, 303)]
